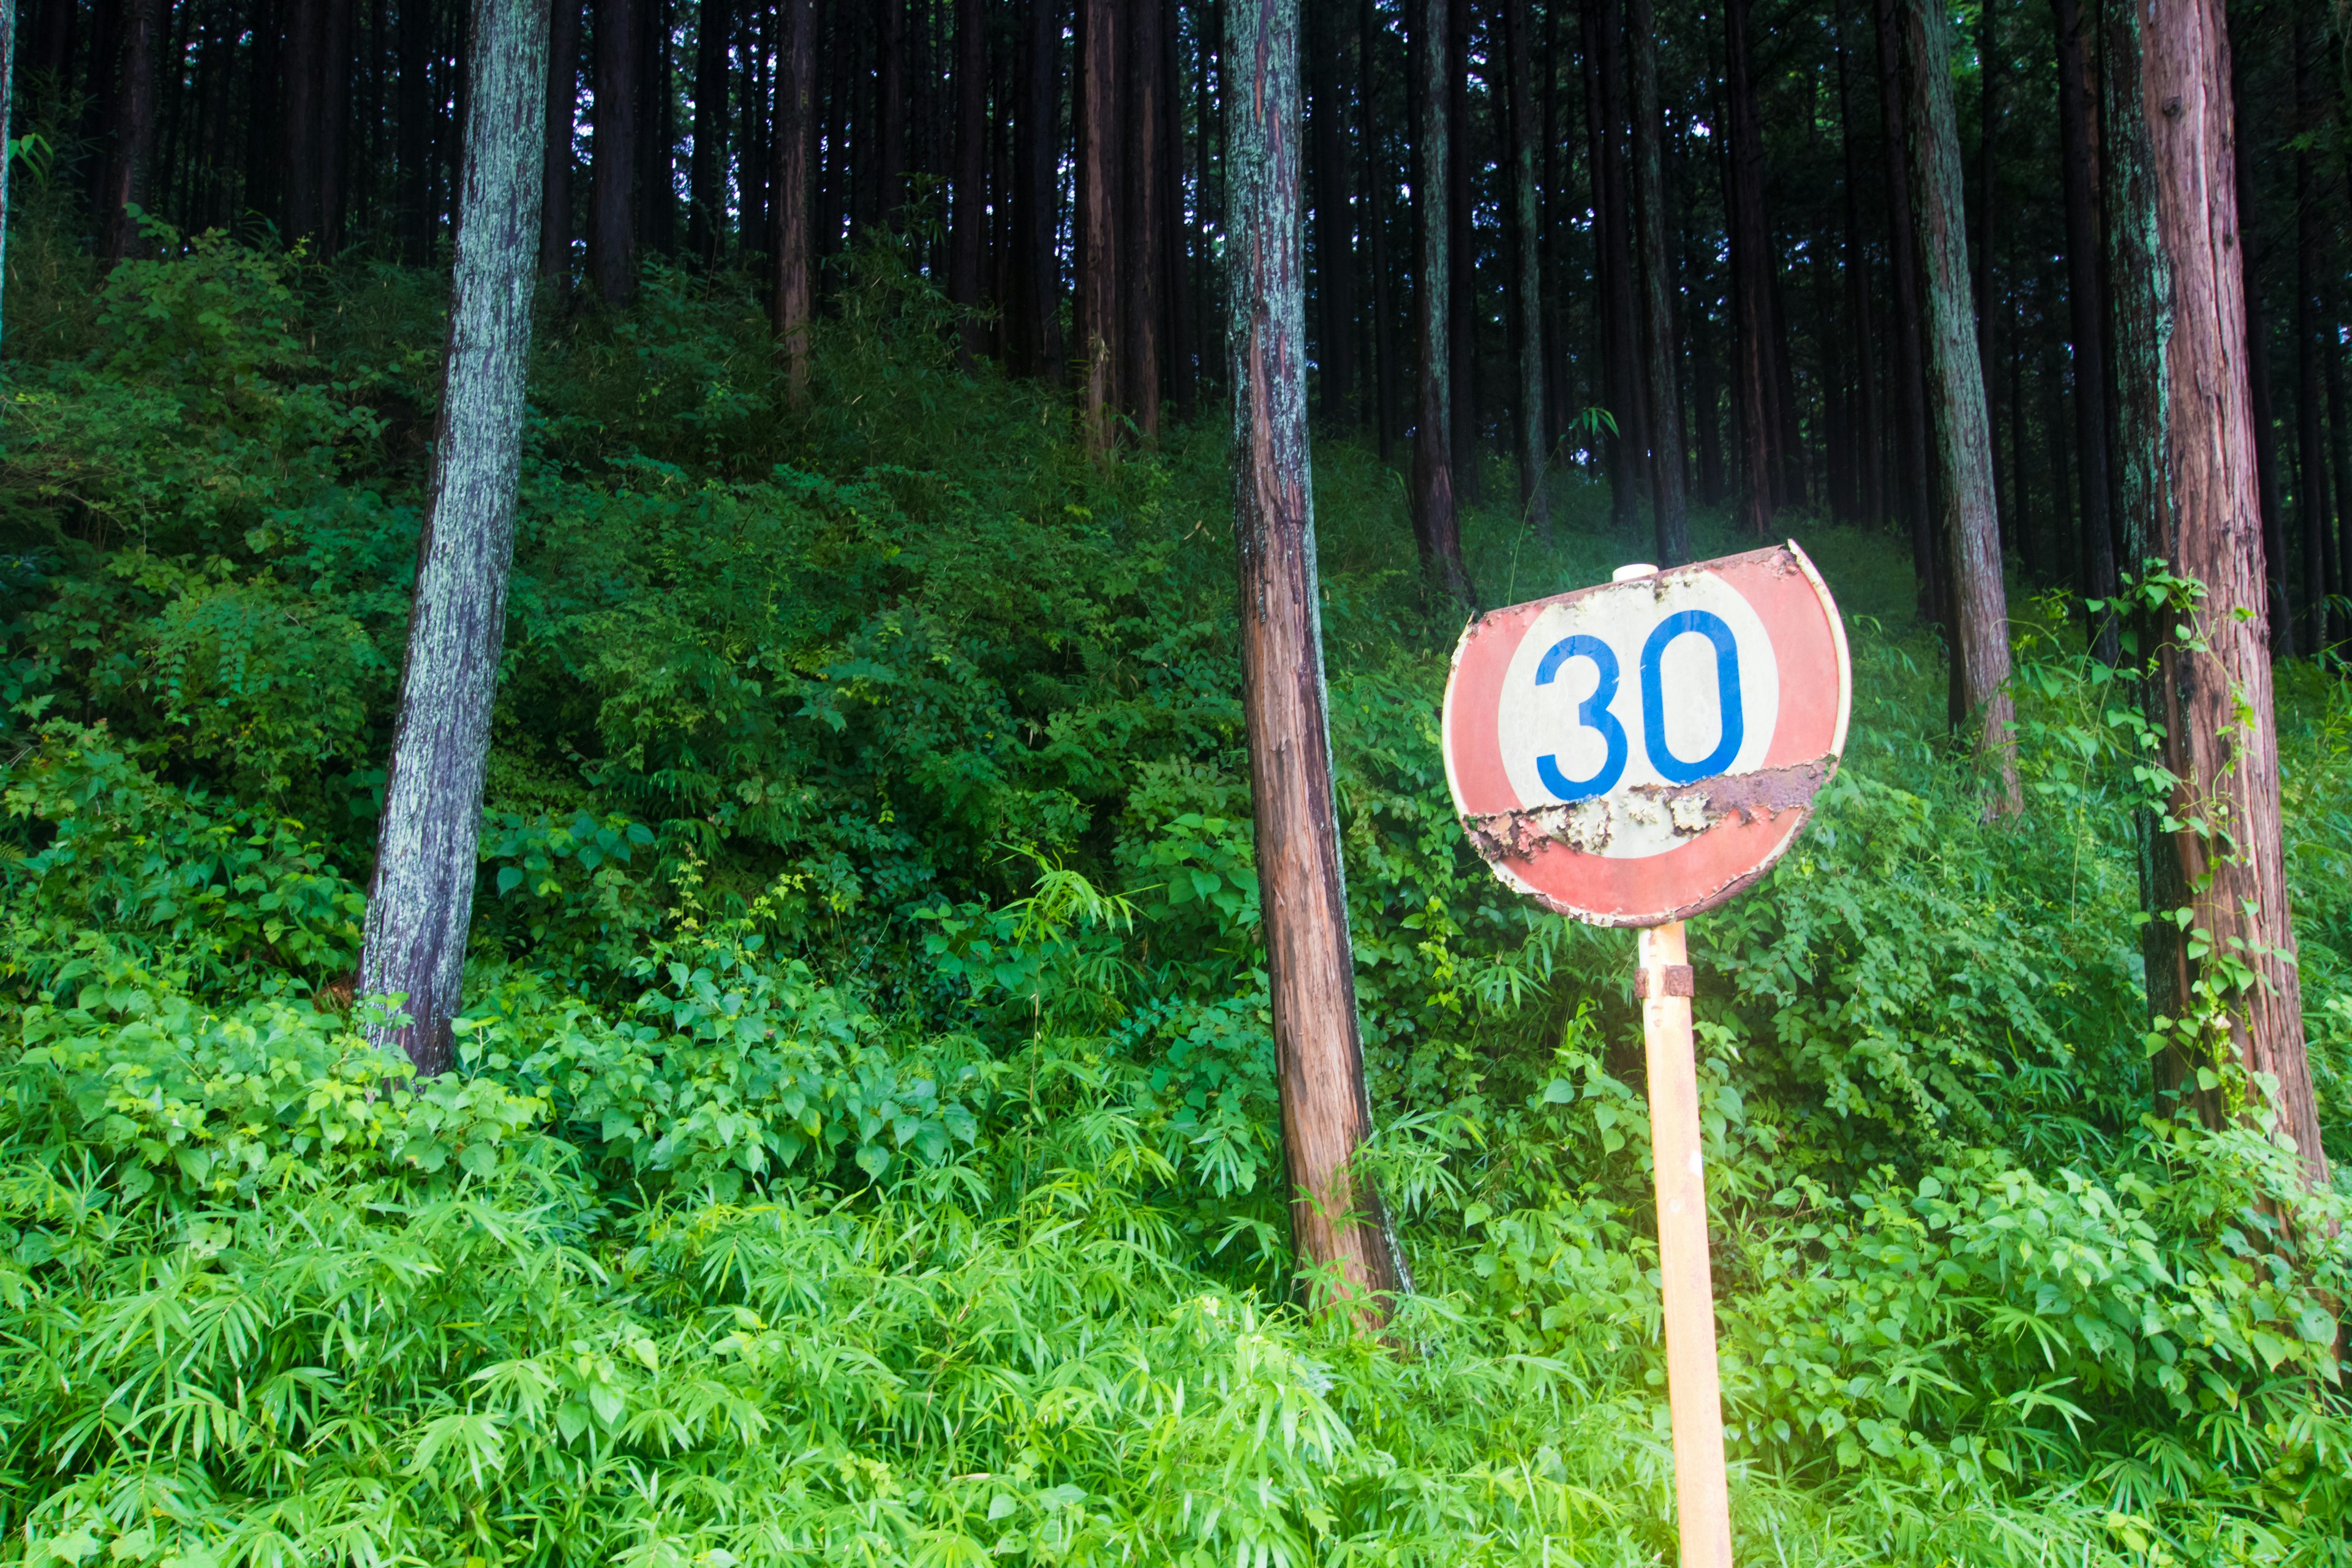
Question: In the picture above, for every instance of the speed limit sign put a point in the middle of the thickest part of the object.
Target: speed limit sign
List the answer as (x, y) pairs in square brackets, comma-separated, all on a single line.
[(1628, 756), (1641, 750)]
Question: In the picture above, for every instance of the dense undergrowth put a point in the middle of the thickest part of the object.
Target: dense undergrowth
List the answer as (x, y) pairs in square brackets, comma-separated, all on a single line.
[(867, 1150)]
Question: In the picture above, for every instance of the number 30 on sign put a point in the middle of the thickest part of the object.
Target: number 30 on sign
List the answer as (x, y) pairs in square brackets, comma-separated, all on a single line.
[(1636, 753)]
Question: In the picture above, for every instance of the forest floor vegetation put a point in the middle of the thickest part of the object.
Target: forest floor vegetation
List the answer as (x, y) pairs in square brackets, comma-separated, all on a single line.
[(866, 1145)]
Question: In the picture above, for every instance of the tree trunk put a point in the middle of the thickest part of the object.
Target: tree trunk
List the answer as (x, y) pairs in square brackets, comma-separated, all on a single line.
[(1910, 400), (8, 106), (420, 899), (1757, 377), (1175, 234), (1527, 284), (971, 168), (2186, 494), (707, 169), (298, 129), (796, 122), (2312, 510), (1438, 532), (134, 131), (1137, 46), (890, 84), (612, 167), (2255, 252), (657, 145), (1669, 500), (563, 107), (1379, 176), (1956, 397), (2085, 316), (1097, 258), (1989, 113), (1868, 441), (1463, 421), (334, 125), (1337, 1227), (1037, 193), (1335, 258)]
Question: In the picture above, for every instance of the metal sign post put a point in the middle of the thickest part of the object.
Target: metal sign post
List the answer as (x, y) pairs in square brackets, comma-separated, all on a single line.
[(1629, 755)]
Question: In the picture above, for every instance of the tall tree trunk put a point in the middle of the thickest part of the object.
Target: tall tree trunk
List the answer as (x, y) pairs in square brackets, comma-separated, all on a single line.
[(2339, 439), (2186, 494), (298, 129), (890, 84), (656, 143), (1752, 267), (1437, 530), (972, 167), (1869, 442), (1526, 282), (1956, 396), (1669, 501), (795, 125), (1336, 1218), (421, 897), (334, 125), (562, 106), (1463, 423), (413, 88), (1989, 109), (2312, 510), (1138, 45), (1334, 259), (1910, 400), (8, 59), (1097, 236), (1378, 174), (613, 168), (1037, 193), (2255, 253), (1175, 235), (2086, 314), (1623, 450), (707, 168), (134, 131)]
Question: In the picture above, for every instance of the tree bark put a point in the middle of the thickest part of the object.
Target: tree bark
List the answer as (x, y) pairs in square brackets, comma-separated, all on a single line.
[(1378, 176), (1138, 45), (1097, 260), (1988, 217), (707, 167), (890, 84), (656, 142), (971, 168), (1438, 531), (1910, 400), (2186, 494), (421, 897), (299, 127), (1757, 378), (134, 131), (8, 55), (413, 88), (1036, 194), (1337, 1227), (1669, 496), (2085, 316), (334, 124), (2254, 255), (796, 122), (1868, 440), (1956, 396), (1175, 233), (2311, 499), (612, 167), (562, 106), (1526, 283), (1463, 422), (1335, 258)]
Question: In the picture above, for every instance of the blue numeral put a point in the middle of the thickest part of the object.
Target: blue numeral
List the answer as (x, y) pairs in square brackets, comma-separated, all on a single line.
[(1671, 768), (1592, 713)]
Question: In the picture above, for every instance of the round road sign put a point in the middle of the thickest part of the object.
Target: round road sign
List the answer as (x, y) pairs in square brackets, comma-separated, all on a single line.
[(1639, 751)]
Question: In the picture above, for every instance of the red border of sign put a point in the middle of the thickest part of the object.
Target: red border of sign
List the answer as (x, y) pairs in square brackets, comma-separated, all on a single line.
[(1816, 695)]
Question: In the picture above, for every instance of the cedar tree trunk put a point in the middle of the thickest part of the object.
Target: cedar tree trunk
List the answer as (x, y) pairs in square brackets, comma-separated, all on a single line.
[(612, 207), (1669, 497), (562, 104), (789, 206), (1527, 290), (1438, 529), (1336, 1226)]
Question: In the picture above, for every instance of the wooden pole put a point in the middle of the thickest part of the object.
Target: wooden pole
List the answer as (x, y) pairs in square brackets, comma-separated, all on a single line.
[(1702, 1500)]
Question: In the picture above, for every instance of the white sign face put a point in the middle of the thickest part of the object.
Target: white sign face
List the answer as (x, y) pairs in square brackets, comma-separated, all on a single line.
[(1613, 699), (1641, 750)]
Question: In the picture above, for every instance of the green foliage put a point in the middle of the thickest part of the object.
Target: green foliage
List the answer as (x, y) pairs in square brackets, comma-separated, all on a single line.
[(868, 1147)]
